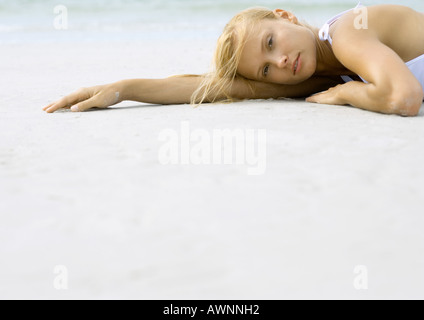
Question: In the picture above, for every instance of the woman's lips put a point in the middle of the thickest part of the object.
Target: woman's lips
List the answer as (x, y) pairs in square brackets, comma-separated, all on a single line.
[(297, 65)]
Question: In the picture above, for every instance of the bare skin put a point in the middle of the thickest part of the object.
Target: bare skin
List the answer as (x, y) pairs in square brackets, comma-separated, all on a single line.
[(270, 67), (178, 90), (380, 59)]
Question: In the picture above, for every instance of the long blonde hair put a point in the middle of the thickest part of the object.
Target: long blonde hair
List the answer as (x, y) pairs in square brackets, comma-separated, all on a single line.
[(218, 82)]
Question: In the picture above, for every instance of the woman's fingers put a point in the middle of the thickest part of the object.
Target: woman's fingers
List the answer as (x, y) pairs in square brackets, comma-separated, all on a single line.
[(68, 101), (331, 96), (87, 104), (48, 106), (313, 99), (325, 97), (87, 98)]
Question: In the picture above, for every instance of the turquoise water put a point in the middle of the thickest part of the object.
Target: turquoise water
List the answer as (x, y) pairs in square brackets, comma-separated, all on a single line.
[(26, 21)]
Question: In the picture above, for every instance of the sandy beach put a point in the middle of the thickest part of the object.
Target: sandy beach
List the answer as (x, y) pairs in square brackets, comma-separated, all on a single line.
[(337, 214)]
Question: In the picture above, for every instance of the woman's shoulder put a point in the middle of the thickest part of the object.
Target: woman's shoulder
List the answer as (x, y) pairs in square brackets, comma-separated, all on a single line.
[(381, 19), (399, 27)]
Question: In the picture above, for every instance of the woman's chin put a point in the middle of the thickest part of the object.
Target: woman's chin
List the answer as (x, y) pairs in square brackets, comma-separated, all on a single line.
[(301, 78)]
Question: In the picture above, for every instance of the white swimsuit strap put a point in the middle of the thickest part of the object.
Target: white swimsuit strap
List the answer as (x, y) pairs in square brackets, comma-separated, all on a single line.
[(324, 32)]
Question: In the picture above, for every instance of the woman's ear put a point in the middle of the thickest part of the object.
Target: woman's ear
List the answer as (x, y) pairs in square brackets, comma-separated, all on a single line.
[(286, 15)]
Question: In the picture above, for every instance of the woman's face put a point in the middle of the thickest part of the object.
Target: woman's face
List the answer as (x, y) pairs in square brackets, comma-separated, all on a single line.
[(279, 51)]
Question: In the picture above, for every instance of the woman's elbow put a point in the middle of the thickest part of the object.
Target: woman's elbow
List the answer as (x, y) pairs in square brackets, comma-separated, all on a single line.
[(406, 103)]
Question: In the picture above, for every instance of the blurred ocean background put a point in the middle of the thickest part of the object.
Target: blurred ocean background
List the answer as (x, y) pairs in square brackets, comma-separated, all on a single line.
[(33, 21)]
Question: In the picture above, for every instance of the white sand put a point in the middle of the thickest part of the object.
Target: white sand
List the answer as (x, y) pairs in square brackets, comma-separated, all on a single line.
[(343, 187)]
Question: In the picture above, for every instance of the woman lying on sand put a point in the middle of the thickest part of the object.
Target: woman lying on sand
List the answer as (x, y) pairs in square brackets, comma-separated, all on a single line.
[(368, 57)]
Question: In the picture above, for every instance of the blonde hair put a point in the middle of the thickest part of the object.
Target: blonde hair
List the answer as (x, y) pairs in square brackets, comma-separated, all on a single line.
[(219, 81)]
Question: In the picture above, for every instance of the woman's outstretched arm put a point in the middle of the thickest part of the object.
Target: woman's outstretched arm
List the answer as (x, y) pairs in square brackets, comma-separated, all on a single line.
[(178, 90), (156, 91)]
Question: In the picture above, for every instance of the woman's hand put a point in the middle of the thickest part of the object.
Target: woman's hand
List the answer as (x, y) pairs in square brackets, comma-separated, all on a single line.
[(331, 96), (85, 98)]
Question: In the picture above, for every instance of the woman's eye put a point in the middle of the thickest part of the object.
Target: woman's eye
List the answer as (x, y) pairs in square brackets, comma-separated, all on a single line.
[(270, 42), (266, 70)]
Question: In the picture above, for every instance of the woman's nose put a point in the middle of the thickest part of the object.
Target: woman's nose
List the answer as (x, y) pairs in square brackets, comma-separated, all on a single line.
[(281, 61)]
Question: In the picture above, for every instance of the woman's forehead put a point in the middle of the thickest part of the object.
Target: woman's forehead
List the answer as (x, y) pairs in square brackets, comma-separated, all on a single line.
[(255, 29), (248, 34)]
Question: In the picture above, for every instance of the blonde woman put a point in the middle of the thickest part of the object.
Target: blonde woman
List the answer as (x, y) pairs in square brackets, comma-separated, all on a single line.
[(373, 62)]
